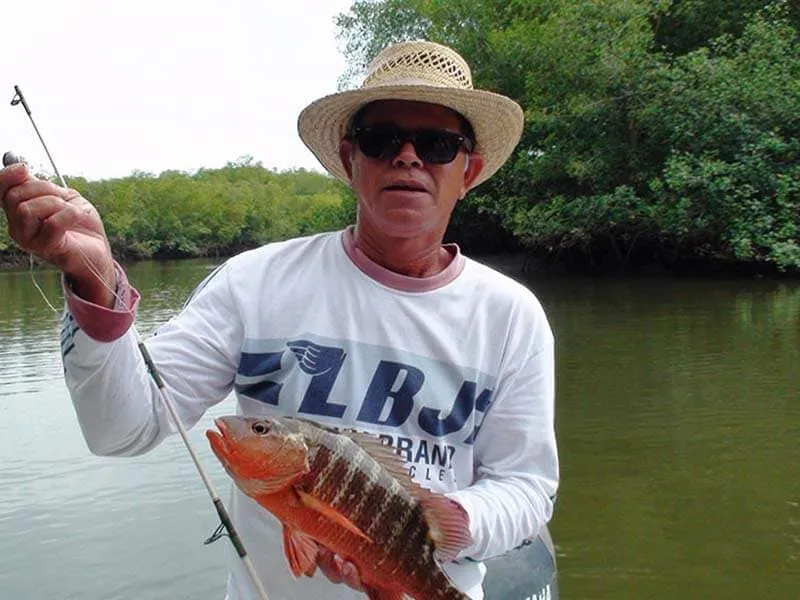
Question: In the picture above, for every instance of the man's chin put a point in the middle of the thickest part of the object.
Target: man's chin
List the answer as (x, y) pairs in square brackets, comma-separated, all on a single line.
[(405, 226)]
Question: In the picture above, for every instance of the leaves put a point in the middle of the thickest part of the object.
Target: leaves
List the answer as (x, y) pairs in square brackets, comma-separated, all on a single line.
[(211, 212), (653, 127)]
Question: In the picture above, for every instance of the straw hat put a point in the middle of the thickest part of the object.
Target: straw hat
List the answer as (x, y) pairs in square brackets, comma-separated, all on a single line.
[(424, 72)]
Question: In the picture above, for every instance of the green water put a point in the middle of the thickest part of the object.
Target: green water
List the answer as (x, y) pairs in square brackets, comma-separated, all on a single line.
[(678, 427)]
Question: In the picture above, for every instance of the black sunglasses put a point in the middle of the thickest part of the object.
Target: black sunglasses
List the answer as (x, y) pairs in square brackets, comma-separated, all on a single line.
[(437, 146)]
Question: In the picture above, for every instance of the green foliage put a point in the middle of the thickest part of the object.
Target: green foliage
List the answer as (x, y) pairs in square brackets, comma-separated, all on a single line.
[(686, 25), (661, 128), (5, 239), (730, 117), (211, 212)]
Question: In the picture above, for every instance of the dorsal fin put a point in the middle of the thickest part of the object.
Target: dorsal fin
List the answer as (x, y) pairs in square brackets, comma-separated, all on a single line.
[(385, 454)]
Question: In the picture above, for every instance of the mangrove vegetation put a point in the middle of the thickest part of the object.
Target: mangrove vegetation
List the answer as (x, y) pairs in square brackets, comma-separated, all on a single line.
[(658, 133)]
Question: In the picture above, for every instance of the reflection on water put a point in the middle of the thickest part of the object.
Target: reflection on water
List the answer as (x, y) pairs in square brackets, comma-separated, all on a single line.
[(678, 424), (77, 526)]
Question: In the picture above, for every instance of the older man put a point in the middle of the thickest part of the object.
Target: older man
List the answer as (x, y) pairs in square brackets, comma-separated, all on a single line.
[(446, 359)]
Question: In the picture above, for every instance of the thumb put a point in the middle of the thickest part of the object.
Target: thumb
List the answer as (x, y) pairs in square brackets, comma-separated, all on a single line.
[(11, 176)]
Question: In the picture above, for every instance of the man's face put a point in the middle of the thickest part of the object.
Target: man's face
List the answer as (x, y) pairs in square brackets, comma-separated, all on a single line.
[(405, 196)]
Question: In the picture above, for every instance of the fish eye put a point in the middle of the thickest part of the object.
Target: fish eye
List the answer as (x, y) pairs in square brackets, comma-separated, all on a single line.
[(260, 428)]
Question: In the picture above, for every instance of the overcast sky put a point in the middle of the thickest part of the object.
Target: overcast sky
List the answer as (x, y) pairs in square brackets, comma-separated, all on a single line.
[(117, 86)]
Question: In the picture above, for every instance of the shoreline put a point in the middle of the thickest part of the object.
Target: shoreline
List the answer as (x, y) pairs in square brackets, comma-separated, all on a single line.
[(528, 265)]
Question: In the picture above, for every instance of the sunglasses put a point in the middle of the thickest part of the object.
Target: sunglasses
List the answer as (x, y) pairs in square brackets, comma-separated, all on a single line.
[(437, 146)]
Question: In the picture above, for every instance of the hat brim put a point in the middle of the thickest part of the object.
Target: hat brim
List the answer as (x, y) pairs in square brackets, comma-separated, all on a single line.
[(496, 120)]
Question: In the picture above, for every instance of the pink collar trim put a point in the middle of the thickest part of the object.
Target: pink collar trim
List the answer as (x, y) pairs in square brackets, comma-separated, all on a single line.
[(399, 282)]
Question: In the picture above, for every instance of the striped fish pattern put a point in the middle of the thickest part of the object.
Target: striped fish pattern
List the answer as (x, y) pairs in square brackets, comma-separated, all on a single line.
[(350, 493)]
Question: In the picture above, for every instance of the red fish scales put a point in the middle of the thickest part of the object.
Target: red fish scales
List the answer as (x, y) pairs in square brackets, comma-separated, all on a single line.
[(347, 478), (357, 504)]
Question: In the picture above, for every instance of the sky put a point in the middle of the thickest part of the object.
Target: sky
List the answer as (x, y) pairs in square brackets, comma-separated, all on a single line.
[(116, 86)]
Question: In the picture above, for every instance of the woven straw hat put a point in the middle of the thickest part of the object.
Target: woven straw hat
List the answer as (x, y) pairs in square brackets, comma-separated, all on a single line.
[(423, 72)]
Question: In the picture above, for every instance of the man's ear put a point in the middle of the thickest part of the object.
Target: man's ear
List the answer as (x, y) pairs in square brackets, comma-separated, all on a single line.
[(473, 169), (346, 156)]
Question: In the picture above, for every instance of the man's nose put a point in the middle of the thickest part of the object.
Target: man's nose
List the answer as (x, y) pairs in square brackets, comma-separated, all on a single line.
[(407, 157)]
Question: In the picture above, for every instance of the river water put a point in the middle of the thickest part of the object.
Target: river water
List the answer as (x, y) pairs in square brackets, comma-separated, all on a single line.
[(678, 426)]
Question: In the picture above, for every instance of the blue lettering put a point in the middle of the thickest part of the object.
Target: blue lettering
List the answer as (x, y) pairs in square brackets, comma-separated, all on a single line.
[(315, 400), (481, 406), (403, 448), (422, 451), (253, 365), (442, 455), (323, 363), (429, 418), (380, 392)]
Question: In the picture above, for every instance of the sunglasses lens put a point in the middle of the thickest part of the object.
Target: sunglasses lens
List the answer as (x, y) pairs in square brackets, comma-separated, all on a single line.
[(379, 143), (431, 145), (438, 147)]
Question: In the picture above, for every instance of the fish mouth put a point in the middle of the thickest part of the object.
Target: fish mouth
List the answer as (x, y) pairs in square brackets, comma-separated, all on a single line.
[(222, 426), (219, 439)]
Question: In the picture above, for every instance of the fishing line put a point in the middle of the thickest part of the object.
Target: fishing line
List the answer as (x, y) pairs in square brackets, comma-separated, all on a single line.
[(225, 520)]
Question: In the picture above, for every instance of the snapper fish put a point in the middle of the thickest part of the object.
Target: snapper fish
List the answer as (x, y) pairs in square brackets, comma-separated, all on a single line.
[(348, 492)]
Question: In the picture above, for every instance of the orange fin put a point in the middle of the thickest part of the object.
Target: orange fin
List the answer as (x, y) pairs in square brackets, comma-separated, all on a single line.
[(449, 524), (301, 551), (331, 513)]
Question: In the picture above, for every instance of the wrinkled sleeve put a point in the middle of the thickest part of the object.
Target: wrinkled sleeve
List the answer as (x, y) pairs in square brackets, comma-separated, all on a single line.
[(516, 459), (118, 405)]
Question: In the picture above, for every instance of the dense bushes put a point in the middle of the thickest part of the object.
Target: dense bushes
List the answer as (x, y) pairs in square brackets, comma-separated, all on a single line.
[(656, 131), (213, 211)]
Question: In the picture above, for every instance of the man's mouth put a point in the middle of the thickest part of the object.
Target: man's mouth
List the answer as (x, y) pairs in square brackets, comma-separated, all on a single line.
[(405, 186)]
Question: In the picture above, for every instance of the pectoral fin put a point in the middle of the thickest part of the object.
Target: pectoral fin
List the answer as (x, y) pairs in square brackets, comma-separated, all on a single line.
[(301, 551), (331, 513)]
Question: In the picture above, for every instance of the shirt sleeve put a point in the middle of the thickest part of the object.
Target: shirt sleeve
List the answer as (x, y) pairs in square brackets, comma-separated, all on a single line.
[(98, 322), (118, 405), (516, 466)]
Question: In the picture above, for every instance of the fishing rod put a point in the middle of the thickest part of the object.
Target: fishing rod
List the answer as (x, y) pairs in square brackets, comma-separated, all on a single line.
[(226, 523)]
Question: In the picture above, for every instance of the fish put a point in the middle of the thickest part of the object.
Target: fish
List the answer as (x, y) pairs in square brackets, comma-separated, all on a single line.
[(348, 492)]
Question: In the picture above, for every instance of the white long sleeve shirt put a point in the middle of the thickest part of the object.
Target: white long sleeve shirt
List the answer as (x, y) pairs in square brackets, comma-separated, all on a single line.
[(455, 370)]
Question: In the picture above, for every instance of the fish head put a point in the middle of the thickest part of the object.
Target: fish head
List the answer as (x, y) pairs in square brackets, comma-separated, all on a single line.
[(261, 454)]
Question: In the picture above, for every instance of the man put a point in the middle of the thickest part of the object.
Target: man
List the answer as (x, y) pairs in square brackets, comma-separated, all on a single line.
[(379, 327)]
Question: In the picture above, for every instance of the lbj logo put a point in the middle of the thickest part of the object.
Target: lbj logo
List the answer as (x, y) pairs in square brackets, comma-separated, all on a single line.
[(388, 399), (323, 364)]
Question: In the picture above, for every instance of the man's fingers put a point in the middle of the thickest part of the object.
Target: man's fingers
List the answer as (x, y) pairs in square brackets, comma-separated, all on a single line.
[(339, 570), (34, 188), (26, 220), (351, 576), (70, 216), (39, 208), (10, 177), (326, 560), (41, 224)]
